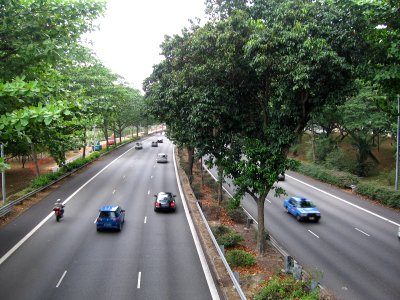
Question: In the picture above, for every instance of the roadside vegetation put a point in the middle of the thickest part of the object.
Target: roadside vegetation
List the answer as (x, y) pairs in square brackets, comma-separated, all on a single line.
[(55, 95), (257, 75), (261, 277), (248, 82), (338, 165)]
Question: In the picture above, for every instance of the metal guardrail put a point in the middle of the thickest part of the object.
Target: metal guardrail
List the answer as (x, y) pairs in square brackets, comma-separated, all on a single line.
[(222, 256)]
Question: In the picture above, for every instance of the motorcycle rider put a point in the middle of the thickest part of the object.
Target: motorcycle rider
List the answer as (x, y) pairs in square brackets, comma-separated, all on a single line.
[(60, 206)]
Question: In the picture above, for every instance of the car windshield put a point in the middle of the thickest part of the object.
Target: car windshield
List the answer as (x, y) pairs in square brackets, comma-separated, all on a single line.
[(107, 214), (305, 204)]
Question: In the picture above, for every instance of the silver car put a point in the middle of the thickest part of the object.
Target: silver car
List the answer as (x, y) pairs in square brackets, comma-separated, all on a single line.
[(138, 145), (162, 158)]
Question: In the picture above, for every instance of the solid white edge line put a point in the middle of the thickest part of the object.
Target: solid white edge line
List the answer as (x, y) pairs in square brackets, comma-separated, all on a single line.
[(139, 279), (329, 194), (345, 201), (26, 237), (206, 269), (61, 279)]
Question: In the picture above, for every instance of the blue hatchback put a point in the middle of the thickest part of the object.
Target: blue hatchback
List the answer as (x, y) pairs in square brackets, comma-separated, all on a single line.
[(110, 217), (302, 209)]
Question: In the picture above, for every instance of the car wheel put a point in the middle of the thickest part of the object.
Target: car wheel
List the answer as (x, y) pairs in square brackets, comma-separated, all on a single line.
[(288, 210), (298, 218), (119, 227)]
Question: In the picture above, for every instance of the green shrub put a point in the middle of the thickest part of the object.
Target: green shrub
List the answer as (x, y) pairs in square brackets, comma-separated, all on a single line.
[(240, 258), (287, 288), (238, 215), (381, 194), (220, 230), (230, 239), (339, 160), (338, 178), (44, 180)]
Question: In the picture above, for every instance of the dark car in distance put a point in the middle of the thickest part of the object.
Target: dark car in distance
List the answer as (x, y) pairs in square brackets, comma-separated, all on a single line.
[(110, 217), (154, 144), (164, 201)]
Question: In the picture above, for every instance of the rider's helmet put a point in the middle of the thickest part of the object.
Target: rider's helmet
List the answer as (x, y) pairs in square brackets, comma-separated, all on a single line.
[(58, 201)]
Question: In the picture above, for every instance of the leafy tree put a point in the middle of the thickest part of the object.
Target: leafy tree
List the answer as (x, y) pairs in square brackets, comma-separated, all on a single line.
[(363, 130)]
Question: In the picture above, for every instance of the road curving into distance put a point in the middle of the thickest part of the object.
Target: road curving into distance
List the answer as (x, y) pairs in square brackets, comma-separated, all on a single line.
[(155, 256)]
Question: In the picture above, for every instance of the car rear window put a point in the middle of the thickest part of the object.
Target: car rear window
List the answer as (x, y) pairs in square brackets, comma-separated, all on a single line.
[(107, 214)]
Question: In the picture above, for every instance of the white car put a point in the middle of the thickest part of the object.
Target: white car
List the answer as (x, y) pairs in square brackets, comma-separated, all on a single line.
[(162, 158), (139, 145)]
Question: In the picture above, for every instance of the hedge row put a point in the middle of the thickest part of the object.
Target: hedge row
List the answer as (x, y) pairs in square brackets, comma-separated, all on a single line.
[(384, 195), (338, 178)]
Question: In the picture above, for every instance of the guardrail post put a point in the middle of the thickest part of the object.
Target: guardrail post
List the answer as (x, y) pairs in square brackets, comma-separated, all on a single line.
[(297, 271), (249, 221), (237, 277), (288, 263)]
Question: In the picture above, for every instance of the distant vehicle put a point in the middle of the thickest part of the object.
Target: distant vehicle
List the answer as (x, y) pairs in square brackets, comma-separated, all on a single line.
[(159, 140), (281, 177), (110, 217), (111, 140), (96, 146), (164, 201), (162, 158), (302, 208), (154, 144), (139, 145)]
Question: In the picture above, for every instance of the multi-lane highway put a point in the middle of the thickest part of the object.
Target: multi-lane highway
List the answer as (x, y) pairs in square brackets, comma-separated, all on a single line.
[(354, 249), (154, 256)]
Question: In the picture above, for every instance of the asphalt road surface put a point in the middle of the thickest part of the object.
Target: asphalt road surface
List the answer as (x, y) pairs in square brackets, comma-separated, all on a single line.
[(354, 250), (153, 257)]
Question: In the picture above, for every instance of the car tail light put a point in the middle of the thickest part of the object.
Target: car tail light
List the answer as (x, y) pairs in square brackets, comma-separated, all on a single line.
[(157, 204), (172, 204)]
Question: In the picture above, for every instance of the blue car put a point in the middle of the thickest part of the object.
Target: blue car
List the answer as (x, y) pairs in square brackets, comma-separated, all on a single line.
[(110, 217), (302, 208)]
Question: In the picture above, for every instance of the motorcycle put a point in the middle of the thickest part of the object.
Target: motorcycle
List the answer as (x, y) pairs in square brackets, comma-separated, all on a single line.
[(59, 213)]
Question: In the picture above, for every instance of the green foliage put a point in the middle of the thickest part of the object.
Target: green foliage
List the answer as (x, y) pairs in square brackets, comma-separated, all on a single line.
[(45, 179), (220, 230), (238, 215), (340, 179), (378, 193), (234, 202), (286, 287), (3, 165), (230, 239), (226, 236), (240, 258), (337, 159), (323, 146)]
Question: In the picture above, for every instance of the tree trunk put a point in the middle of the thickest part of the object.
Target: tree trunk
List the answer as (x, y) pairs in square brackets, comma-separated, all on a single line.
[(220, 182), (313, 142), (84, 146), (190, 151), (261, 229), (34, 158)]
